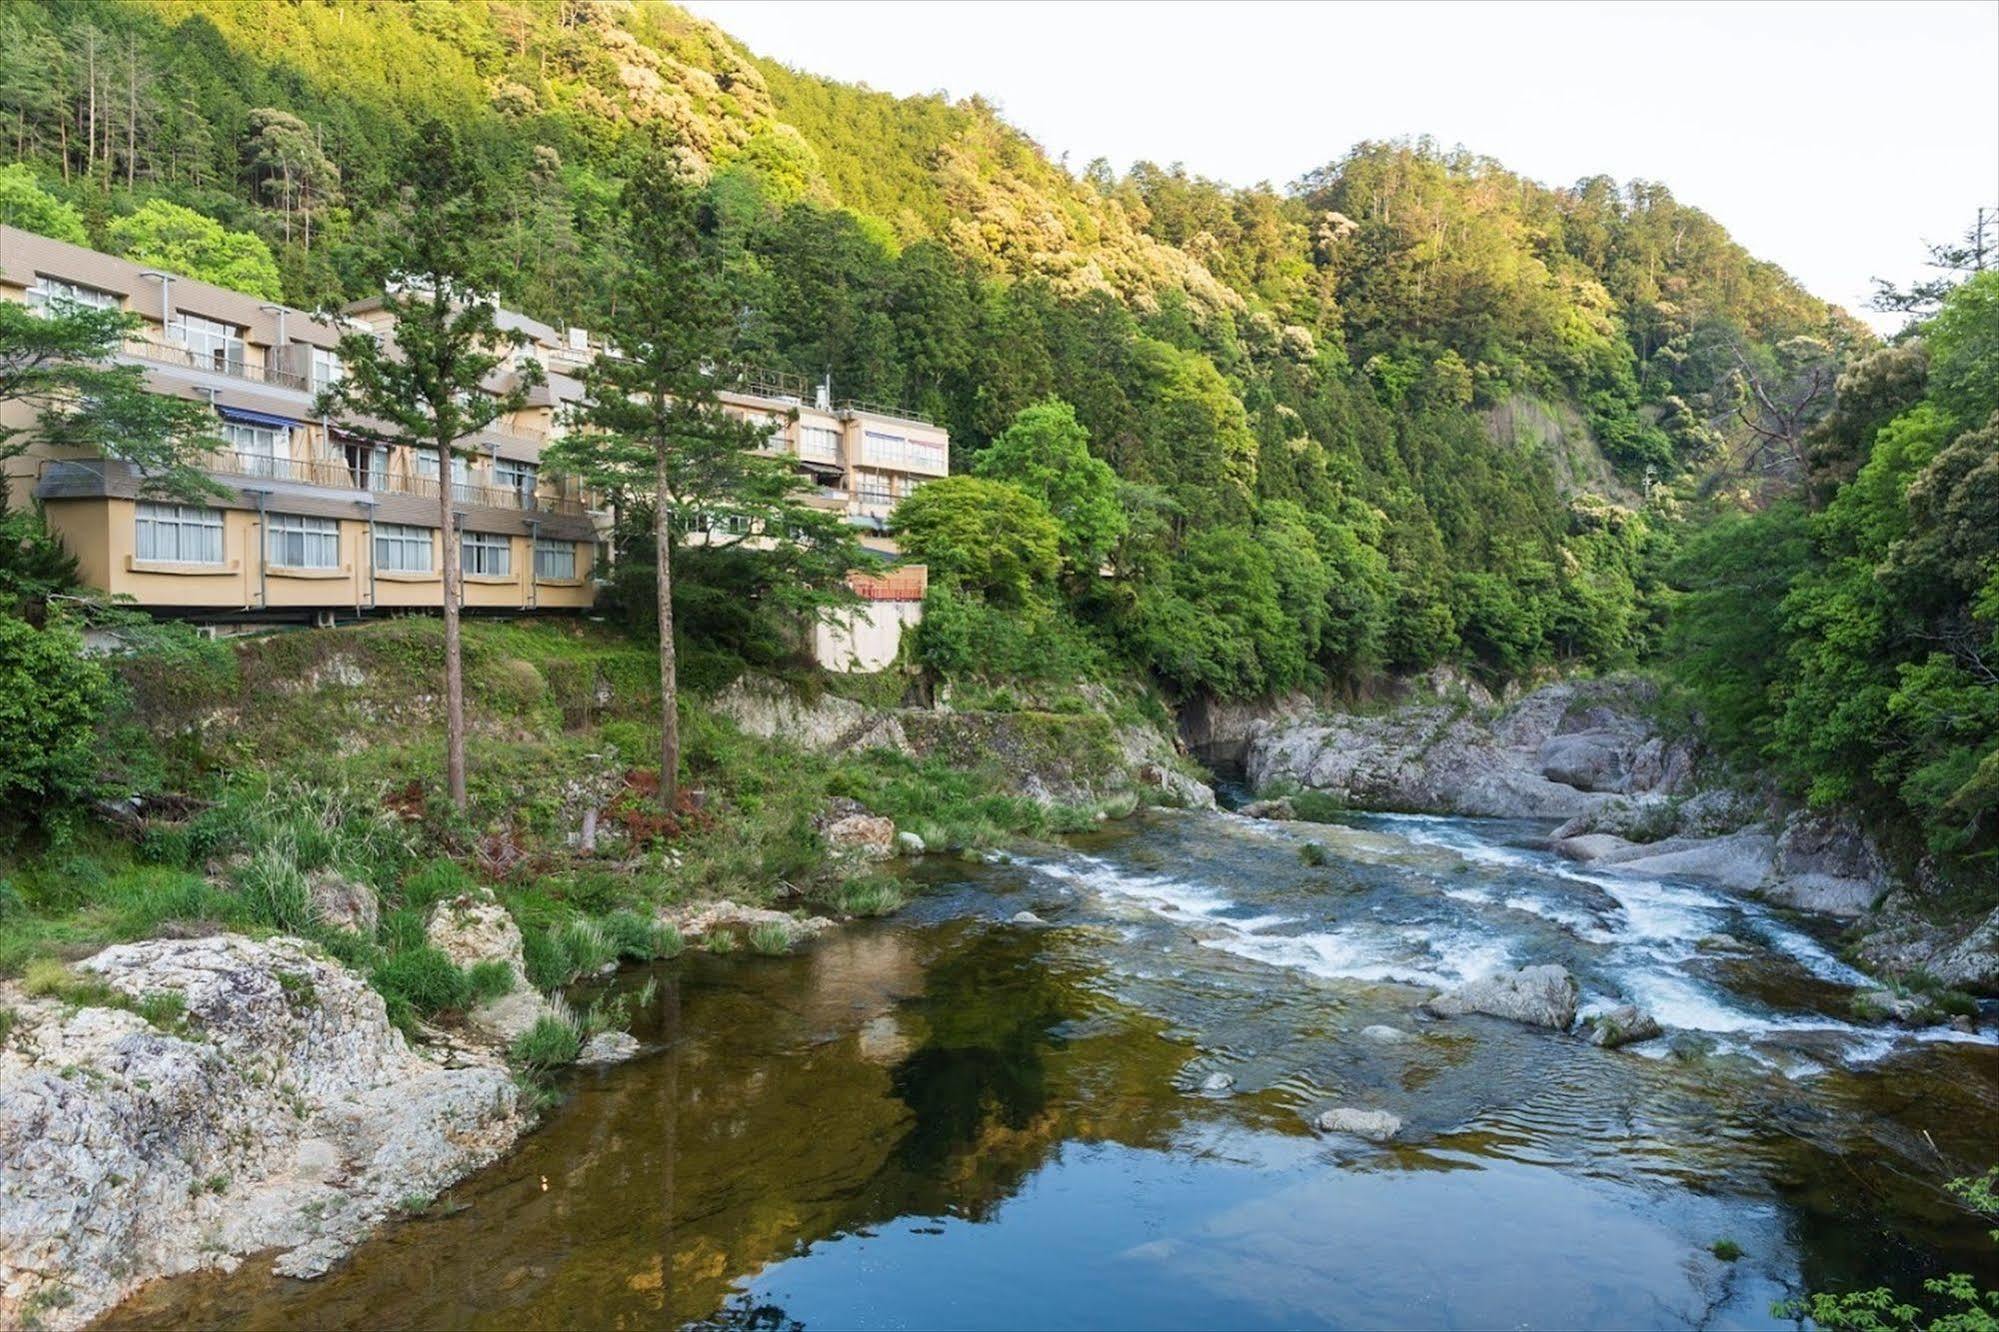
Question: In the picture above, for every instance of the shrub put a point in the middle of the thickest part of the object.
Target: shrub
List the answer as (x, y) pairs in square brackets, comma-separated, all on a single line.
[(274, 888), (640, 940), (1725, 1249), (488, 980), (418, 982), (51, 697), (1313, 853)]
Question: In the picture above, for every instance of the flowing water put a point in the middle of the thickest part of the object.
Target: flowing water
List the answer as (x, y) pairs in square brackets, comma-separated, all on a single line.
[(953, 1120)]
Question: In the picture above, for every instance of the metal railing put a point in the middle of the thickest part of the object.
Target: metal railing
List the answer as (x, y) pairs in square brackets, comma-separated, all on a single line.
[(169, 353), (338, 474)]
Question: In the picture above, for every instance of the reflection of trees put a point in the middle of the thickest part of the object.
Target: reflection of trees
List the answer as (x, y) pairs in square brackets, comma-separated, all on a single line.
[(883, 1073)]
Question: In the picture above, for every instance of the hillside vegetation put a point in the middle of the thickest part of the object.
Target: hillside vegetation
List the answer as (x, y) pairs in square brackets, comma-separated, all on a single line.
[(1293, 387)]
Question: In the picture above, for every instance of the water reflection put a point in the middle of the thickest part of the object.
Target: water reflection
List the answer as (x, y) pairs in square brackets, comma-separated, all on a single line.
[(948, 1121)]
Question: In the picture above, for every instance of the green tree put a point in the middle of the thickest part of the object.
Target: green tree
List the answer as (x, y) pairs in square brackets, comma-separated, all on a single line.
[(51, 695), (25, 204), (652, 423), (990, 537), (430, 388), (180, 240), (1963, 342), (1046, 452)]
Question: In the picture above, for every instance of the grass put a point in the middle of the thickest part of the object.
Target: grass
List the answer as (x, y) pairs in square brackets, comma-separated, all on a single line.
[(869, 895), (1725, 1249), (1315, 853), (552, 1042), (770, 938)]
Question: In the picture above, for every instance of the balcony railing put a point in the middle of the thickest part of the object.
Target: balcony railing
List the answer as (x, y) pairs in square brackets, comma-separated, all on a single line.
[(339, 475), (169, 353)]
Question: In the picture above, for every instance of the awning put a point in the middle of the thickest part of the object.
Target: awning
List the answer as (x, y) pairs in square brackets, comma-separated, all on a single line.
[(244, 416)]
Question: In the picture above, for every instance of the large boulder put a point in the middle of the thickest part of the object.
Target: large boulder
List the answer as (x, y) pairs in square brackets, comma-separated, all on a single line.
[(1634, 819), (1543, 996), (1827, 862), (1740, 861), (282, 1111), (1624, 1025), (862, 836)]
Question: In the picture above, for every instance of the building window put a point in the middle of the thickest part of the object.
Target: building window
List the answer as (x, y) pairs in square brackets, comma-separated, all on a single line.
[(258, 448), (52, 295), (875, 488), (819, 443), (178, 534), (326, 370), (210, 343), (486, 553), (519, 477), (293, 541), (461, 472), (368, 465), (400, 548), (554, 560)]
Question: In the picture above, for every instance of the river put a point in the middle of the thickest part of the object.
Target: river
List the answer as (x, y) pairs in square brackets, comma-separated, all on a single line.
[(952, 1120)]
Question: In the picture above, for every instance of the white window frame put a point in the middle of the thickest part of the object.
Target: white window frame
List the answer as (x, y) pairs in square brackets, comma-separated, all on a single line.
[(301, 541), (876, 488), (405, 548), (485, 553), (50, 295), (518, 476), (819, 443), (177, 534), (554, 561), (325, 369), (258, 448), (210, 342)]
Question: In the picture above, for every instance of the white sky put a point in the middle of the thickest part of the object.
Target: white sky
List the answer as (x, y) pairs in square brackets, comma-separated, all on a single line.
[(1831, 137)]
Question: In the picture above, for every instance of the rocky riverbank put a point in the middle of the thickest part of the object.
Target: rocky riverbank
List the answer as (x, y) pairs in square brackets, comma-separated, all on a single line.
[(1632, 800), (192, 1101)]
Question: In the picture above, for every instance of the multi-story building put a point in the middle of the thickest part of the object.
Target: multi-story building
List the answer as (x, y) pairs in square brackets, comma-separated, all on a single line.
[(315, 518)]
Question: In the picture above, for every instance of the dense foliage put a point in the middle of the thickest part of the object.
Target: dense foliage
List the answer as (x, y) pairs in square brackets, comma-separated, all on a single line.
[(1853, 644), (1350, 420)]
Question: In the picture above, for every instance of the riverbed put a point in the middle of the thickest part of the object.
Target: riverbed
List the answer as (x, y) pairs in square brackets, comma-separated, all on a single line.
[(957, 1119)]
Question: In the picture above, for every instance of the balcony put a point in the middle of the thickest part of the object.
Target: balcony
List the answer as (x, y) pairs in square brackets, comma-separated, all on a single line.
[(173, 354), (337, 474)]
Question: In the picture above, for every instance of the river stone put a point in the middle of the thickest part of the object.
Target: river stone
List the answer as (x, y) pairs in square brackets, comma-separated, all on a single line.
[(1025, 918), (1217, 1083), (289, 1114), (608, 1047), (341, 903), (1374, 1125), (1826, 862), (1279, 808), (1740, 860), (1543, 996), (1624, 1025), (472, 928), (697, 919), (866, 835), (1385, 1035), (1636, 819), (909, 844), (1589, 847)]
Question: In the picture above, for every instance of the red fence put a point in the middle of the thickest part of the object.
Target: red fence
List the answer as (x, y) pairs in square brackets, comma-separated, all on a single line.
[(907, 583)]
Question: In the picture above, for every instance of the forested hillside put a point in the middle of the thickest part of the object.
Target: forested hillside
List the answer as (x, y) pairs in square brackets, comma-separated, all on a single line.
[(1411, 408)]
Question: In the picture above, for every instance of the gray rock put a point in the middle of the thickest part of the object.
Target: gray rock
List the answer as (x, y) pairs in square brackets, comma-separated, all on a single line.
[(1587, 760), (1543, 996), (1621, 1026), (1827, 862), (909, 844), (1178, 788), (342, 903), (608, 1047), (473, 928), (1740, 861), (1630, 818), (291, 1116), (867, 836), (1025, 918), (1384, 1035), (1280, 808), (1715, 812), (1217, 1083), (1590, 847), (1374, 1125)]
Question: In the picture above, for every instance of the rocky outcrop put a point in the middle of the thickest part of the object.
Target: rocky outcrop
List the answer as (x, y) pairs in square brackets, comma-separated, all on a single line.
[(1055, 752), (280, 1111), (1827, 862), (342, 903), (1543, 996), (1374, 1125), (702, 918), (1561, 751), (473, 928), (1911, 933)]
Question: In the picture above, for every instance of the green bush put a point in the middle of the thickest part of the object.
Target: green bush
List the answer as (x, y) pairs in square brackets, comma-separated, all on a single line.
[(488, 980), (421, 981), (51, 698), (550, 1043)]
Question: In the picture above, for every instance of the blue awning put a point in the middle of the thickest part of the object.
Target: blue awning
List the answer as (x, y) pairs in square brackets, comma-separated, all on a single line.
[(244, 416)]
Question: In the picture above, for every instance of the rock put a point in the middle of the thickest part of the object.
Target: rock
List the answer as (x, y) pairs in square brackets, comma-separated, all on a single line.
[(868, 836), (1740, 861), (909, 844), (1973, 962), (1217, 1083), (1590, 847), (1179, 788), (1559, 751), (343, 904), (472, 928), (1384, 1035), (1280, 808), (608, 1047), (1716, 812), (1543, 996), (1025, 918), (1624, 1025), (697, 919), (289, 1114), (827, 724), (1826, 862), (1632, 819), (1374, 1125)]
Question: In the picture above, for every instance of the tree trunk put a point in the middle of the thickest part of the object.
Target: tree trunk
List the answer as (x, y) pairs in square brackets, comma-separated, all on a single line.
[(454, 675), (669, 688)]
